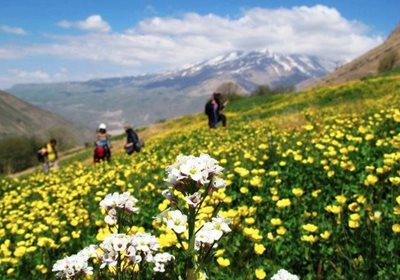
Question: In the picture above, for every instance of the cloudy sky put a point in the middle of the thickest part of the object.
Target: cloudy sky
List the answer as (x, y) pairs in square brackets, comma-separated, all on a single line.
[(50, 41)]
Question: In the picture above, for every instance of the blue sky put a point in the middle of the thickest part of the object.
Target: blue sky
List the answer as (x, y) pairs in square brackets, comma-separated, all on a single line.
[(50, 41)]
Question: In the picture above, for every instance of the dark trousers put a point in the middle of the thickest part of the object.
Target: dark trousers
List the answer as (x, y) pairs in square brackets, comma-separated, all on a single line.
[(212, 123)]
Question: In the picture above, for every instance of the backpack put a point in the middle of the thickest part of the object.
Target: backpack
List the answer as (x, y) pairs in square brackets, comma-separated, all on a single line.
[(136, 147), (208, 110), (100, 151), (41, 155)]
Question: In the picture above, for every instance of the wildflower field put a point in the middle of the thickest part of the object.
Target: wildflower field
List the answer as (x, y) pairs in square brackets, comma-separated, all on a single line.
[(313, 186)]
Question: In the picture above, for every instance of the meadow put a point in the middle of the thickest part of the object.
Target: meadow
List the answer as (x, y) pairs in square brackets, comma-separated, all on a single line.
[(313, 187)]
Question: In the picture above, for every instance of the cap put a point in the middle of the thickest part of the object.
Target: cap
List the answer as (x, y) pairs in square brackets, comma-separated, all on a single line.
[(102, 126)]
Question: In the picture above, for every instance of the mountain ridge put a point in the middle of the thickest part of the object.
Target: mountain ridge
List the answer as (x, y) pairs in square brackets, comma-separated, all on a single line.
[(363, 66), (145, 99), (19, 118)]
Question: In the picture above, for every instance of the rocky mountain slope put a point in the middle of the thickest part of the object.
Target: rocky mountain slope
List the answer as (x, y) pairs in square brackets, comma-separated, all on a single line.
[(18, 118), (365, 65)]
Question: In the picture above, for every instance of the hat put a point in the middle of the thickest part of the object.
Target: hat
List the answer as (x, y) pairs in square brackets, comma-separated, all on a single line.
[(102, 126), (127, 125)]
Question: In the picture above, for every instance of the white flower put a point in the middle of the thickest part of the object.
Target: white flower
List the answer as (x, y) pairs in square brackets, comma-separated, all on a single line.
[(199, 169), (203, 236), (119, 246), (88, 252), (176, 221), (123, 201), (284, 275), (168, 194), (195, 169), (109, 259), (221, 224), (218, 183), (193, 199), (71, 266), (160, 260), (217, 227), (115, 201)]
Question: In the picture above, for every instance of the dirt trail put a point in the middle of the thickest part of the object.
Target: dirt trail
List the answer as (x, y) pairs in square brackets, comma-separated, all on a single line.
[(117, 145)]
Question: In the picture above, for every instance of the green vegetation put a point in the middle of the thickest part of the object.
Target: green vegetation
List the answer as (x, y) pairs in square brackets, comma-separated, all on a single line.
[(312, 178), (388, 61), (17, 153)]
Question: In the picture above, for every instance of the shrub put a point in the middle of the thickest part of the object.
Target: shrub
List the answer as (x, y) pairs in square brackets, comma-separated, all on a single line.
[(17, 153), (388, 61)]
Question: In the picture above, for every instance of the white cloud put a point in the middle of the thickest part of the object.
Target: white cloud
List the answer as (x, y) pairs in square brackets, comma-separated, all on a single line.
[(160, 43), (93, 23), (12, 30)]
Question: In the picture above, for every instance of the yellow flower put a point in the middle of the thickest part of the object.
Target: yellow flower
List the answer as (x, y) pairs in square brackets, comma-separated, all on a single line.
[(394, 180), (355, 217), (257, 199), (10, 271), (396, 228), (263, 146), (297, 192), (316, 193), (65, 239), (256, 182), (275, 198), (341, 199), (244, 190), (243, 172), (310, 227), (283, 203), (276, 221), (42, 268), (249, 220), (398, 199), (370, 180), (260, 273), (20, 251), (376, 216), (259, 249), (361, 199), (325, 235), (223, 262), (281, 230), (334, 209), (354, 207), (309, 238), (271, 236), (309, 127), (354, 224), (219, 252)]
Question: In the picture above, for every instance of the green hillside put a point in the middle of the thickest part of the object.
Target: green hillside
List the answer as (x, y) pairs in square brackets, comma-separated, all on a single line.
[(312, 187)]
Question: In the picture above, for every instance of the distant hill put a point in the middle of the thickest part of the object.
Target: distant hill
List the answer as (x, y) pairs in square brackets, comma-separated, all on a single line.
[(146, 99), (363, 66), (18, 118)]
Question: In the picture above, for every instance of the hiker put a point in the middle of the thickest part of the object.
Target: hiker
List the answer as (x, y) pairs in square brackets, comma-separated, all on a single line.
[(213, 110), (48, 156), (102, 150), (133, 143)]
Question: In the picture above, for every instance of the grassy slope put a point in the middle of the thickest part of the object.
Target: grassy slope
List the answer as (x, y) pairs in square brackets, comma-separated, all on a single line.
[(288, 111), (283, 109)]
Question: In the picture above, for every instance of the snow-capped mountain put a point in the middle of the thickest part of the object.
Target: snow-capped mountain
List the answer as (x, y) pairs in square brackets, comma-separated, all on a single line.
[(153, 96), (248, 69)]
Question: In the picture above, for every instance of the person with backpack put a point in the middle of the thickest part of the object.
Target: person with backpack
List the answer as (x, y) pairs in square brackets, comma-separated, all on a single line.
[(102, 150), (48, 156), (133, 143), (213, 110)]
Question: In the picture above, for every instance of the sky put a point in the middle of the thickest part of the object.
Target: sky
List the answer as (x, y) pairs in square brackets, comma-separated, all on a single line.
[(75, 40)]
